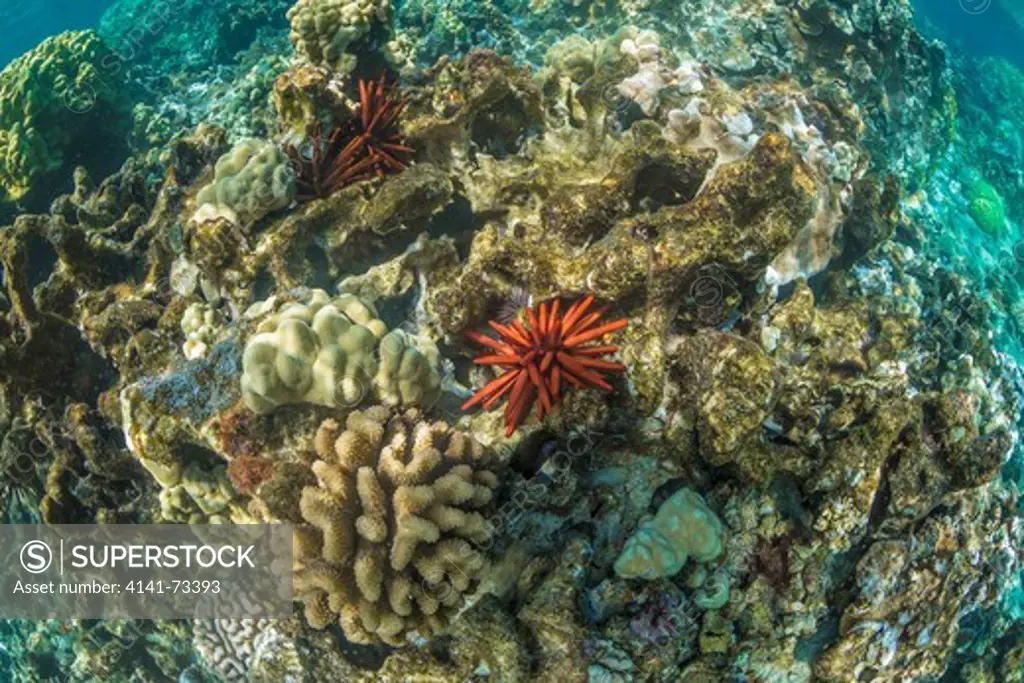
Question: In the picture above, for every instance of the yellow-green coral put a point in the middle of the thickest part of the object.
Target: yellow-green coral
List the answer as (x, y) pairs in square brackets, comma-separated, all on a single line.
[(408, 370), (986, 208), (54, 101)]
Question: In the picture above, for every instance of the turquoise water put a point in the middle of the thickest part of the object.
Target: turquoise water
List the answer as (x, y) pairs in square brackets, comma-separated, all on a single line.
[(668, 341)]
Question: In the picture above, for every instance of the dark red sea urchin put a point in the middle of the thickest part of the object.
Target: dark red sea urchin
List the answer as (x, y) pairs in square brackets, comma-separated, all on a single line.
[(366, 145), (539, 358)]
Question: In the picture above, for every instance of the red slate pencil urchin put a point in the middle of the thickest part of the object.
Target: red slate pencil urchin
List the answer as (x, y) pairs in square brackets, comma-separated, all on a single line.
[(540, 358), (368, 145)]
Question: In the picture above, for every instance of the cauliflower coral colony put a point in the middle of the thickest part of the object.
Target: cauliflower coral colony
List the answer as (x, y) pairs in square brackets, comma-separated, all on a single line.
[(587, 341)]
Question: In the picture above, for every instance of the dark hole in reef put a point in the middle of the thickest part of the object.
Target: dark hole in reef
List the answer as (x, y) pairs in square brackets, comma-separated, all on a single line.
[(666, 491), (191, 454), (369, 657), (263, 285), (660, 185), (371, 63), (531, 456), (627, 114), (500, 130), (441, 649), (41, 261), (318, 262), (457, 221), (395, 311), (785, 292)]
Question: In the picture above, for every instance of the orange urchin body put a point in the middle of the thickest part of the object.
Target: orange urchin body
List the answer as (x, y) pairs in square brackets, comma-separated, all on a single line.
[(539, 358)]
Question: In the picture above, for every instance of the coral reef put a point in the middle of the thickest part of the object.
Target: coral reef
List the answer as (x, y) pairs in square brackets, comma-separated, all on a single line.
[(176, 36), (366, 146), (809, 468), (684, 528), (396, 525), (246, 650), (986, 208), (324, 31)]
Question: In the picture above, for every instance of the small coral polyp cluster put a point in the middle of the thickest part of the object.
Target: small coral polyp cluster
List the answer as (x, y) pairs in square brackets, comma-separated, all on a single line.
[(745, 424), (396, 525)]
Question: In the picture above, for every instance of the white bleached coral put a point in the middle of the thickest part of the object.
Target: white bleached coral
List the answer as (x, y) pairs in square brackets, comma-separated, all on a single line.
[(655, 74), (200, 323)]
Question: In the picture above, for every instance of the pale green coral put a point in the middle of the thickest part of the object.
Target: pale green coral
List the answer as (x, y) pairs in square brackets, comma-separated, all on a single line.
[(335, 352), (64, 94), (407, 373), (986, 207), (684, 527), (251, 180), (318, 352)]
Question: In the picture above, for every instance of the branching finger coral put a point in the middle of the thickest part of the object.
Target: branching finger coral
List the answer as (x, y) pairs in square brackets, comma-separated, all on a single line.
[(395, 527)]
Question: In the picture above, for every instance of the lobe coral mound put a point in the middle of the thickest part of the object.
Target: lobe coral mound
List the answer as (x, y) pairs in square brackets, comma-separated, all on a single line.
[(540, 358)]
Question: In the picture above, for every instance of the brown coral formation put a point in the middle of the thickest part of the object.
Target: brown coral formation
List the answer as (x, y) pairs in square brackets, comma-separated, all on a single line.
[(396, 527)]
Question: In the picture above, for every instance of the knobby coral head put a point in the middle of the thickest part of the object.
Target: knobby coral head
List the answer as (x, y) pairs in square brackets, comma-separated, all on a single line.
[(540, 358), (366, 145)]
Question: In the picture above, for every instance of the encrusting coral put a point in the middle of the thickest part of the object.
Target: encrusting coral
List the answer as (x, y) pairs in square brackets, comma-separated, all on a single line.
[(396, 525), (250, 181), (334, 352), (540, 357)]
